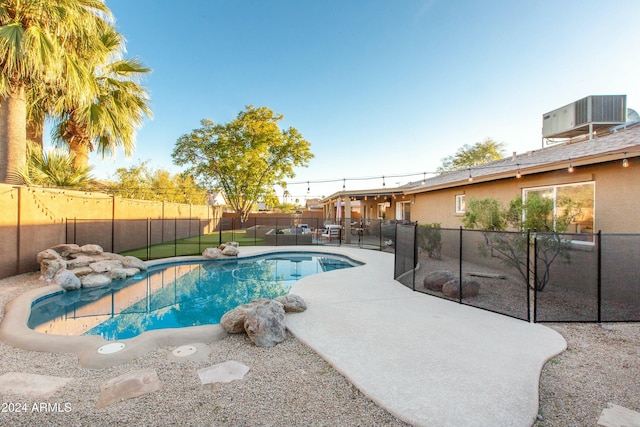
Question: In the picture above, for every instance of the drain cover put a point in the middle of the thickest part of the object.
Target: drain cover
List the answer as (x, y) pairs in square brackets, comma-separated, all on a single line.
[(184, 351), (113, 347)]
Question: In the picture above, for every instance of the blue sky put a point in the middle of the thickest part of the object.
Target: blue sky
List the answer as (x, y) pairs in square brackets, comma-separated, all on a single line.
[(377, 87)]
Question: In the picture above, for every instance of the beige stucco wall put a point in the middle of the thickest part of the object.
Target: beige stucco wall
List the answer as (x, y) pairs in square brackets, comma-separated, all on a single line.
[(617, 206), (33, 219)]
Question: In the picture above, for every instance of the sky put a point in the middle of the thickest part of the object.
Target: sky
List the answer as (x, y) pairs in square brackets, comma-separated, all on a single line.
[(378, 87)]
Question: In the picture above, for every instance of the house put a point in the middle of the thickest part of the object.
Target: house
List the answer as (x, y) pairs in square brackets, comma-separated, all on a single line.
[(601, 173)]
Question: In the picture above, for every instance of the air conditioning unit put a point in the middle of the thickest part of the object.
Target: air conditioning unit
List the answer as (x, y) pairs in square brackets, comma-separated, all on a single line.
[(585, 116)]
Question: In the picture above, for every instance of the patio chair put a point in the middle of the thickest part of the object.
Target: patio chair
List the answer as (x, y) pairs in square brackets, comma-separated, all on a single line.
[(332, 232)]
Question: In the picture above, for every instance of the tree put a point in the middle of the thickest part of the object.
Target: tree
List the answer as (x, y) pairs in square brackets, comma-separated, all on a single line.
[(108, 118), (244, 157), (141, 182), (472, 155), (536, 213), (40, 44), (53, 168)]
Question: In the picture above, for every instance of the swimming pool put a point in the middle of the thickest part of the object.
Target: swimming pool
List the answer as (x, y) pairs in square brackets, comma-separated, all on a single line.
[(176, 295)]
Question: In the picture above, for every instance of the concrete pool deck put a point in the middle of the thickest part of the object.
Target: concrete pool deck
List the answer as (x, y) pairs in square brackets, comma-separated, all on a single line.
[(426, 360)]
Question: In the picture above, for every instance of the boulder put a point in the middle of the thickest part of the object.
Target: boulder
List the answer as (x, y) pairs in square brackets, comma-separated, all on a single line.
[(435, 279), (66, 249), (131, 271), (230, 251), (110, 255), (233, 320), (292, 303), (91, 249), (106, 266), (47, 254), (95, 280), (229, 244), (265, 324), (81, 271), (470, 288), (118, 274), (67, 280), (211, 253), (49, 267), (80, 261), (133, 262)]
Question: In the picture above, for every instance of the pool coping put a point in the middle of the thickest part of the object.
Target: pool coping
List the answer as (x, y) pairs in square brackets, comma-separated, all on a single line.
[(15, 332)]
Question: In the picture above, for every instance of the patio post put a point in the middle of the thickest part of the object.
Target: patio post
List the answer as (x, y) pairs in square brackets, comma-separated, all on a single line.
[(347, 220)]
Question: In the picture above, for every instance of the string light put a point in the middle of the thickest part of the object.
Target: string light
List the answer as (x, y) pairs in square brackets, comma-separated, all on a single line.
[(625, 162), (570, 169), (384, 184), (424, 178), (470, 177), (518, 174)]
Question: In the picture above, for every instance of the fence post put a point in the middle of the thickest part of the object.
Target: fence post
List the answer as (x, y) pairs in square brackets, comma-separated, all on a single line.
[(599, 276), (528, 287), (415, 253), (175, 236), (113, 223), (535, 278), (148, 237), (460, 267), (200, 234)]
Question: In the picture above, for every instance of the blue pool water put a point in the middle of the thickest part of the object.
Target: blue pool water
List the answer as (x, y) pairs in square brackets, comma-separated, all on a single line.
[(176, 295)]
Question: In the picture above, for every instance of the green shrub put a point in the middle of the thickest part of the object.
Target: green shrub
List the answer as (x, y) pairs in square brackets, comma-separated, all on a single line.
[(430, 240)]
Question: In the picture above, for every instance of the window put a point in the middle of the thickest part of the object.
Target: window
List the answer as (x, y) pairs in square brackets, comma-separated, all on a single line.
[(573, 203), (460, 204)]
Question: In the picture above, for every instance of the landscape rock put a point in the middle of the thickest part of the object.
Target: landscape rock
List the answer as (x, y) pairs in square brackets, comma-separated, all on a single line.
[(470, 288), (66, 249), (265, 324), (67, 280), (131, 271), (91, 249), (47, 254), (106, 266), (230, 251), (292, 303), (211, 253), (95, 280), (81, 271), (435, 279), (80, 261), (49, 267), (233, 320), (118, 274), (133, 262)]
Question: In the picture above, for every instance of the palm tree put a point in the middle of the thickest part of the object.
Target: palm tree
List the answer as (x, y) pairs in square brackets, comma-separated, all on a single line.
[(41, 42), (108, 119), (53, 168)]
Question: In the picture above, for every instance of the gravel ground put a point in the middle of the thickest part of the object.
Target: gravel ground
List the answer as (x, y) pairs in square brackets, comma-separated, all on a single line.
[(291, 385)]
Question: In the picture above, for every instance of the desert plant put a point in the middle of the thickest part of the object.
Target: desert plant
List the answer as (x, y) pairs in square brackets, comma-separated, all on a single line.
[(533, 214), (430, 239)]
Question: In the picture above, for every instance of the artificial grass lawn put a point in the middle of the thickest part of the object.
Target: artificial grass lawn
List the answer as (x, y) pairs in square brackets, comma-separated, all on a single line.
[(192, 245)]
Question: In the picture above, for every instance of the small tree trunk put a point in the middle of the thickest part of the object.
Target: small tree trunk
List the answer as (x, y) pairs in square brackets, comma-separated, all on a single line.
[(81, 153), (13, 135), (34, 134)]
